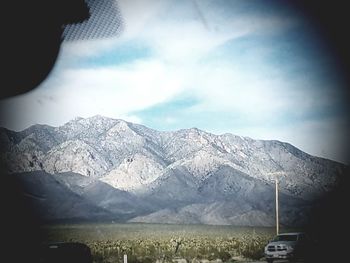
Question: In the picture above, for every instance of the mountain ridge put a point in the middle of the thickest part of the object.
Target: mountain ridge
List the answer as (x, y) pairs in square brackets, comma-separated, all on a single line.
[(159, 166)]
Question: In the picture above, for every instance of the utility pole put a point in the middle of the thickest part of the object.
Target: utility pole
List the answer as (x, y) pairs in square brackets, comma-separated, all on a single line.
[(277, 208)]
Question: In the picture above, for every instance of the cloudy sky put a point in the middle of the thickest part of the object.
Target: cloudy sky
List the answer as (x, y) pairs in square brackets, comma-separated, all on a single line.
[(250, 68)]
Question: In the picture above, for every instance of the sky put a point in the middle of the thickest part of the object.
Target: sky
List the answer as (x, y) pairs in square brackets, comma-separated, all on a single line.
[(251, 68)]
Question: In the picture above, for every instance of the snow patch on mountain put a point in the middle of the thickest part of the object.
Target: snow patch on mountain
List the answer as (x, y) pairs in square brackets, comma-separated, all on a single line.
[(200, 164), (100, 147), (135, 171), (129, 172), (75, 156)]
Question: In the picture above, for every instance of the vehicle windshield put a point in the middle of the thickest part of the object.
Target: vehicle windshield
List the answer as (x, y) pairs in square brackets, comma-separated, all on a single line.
[(286, 238), (167, 126)]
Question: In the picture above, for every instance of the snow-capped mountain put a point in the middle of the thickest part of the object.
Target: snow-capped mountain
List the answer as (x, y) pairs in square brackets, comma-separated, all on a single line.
[(181, 176)]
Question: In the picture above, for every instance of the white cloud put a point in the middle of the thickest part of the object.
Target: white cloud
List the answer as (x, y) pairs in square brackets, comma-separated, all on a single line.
[(173, 38), (178, 43), (177, 40), (113, 92), (227, 88), (135, 15)]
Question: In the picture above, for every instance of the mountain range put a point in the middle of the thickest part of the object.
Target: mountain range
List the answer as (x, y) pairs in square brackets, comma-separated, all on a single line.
[(100, 168)]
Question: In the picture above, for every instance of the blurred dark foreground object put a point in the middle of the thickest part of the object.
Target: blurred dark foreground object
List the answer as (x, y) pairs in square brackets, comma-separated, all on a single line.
[(329, 225), (67, 252), (31, 35)]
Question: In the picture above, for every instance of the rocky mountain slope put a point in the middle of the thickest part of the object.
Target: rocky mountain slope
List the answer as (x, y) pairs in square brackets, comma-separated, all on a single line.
[(185, 176)]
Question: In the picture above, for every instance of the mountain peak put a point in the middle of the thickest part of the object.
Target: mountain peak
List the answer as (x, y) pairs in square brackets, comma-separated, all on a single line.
[(107, 142), (213, 178), (121, 127)]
